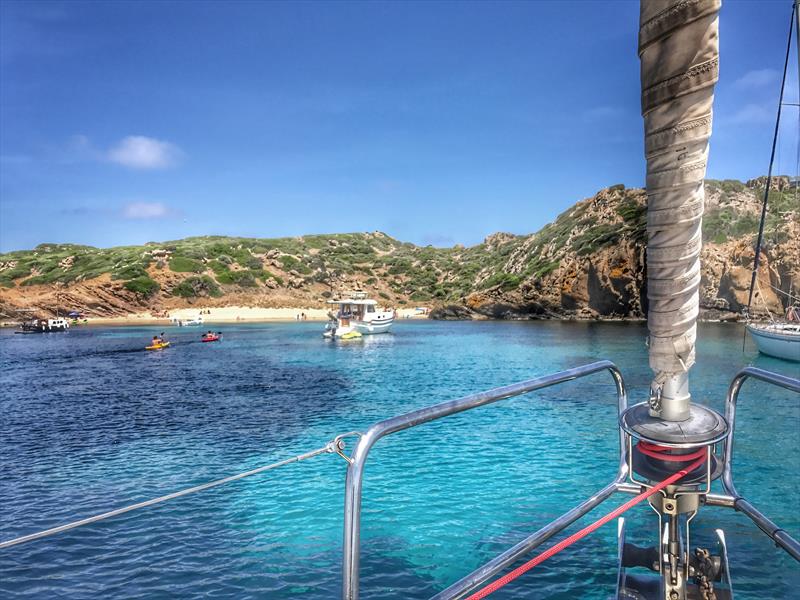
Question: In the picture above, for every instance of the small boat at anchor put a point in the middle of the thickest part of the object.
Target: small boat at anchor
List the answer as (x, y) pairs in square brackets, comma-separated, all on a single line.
[(44, 326), (189, 322), (211, 337), (781, 340), (357, 314)]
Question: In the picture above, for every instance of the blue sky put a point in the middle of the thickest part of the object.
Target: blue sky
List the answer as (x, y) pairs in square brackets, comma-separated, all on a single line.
[(438, 123)]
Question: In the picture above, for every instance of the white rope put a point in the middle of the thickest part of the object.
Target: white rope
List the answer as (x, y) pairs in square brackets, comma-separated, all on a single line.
[(787, 294), (330, 447), (764, 302)]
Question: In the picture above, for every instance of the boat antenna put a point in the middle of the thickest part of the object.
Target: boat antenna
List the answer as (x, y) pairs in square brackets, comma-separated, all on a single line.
[(760, 238)]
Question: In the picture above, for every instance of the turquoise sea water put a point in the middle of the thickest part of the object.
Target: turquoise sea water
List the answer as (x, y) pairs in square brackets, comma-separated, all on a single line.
[(91, 422)]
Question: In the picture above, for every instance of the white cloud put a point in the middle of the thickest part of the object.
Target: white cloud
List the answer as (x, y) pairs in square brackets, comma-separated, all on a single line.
[(754, 113), (757, 78), (140, 152), (146, 210)]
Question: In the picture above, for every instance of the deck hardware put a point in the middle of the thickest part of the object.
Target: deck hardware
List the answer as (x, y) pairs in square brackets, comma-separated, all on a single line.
[(339, 444)]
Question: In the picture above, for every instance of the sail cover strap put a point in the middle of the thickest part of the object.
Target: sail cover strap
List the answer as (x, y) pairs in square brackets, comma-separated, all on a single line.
[(679, 53)]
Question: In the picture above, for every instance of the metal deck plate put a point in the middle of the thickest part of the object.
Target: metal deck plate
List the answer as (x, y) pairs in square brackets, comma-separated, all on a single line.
[(703, 427)]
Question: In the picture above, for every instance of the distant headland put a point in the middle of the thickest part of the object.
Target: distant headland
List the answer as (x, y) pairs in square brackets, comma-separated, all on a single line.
[(589, 263)]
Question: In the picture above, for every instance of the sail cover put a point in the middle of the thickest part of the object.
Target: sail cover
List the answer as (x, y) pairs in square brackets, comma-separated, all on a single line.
[(679, 53)]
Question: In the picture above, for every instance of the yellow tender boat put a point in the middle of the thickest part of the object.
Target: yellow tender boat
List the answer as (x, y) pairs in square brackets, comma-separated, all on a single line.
[(351, 335)]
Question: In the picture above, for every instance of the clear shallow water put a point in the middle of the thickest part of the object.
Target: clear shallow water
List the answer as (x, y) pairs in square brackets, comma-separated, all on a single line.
[(91, 422)]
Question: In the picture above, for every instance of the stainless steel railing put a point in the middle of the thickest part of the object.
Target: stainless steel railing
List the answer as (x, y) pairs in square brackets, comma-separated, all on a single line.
[(355, 474), (473, 581), (775, 533)]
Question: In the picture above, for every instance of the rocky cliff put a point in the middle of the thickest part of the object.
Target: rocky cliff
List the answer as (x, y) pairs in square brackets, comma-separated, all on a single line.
[(588, 263), (591, 263)]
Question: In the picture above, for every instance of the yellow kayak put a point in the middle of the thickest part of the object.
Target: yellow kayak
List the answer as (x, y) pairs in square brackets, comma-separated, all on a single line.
[(158, 346), (351, 335)]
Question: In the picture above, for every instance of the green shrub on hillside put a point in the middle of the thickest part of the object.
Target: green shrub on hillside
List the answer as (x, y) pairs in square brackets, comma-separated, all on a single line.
[(218, 267), (732, 186), (144, 286), (129, 272), (725, 223), (241, 278), (8, 276), (252, 262), (290, 263), (193, 287), (542, 267), (597, 237), (181, 264), (419, 296), (506, 281)]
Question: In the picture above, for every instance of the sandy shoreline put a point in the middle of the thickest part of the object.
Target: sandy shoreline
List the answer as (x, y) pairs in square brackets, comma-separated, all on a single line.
[(233, 314)]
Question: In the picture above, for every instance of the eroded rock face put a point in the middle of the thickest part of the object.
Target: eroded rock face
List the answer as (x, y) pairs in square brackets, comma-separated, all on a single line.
[(610, 281), (452, 312), (778, 182)]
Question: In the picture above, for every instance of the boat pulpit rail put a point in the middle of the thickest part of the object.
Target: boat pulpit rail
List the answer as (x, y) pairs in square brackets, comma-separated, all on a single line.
[(730, 498), (775, 533), (355, 474)]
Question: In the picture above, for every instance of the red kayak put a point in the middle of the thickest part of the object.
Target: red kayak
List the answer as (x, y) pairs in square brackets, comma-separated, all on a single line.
[(210, 338)]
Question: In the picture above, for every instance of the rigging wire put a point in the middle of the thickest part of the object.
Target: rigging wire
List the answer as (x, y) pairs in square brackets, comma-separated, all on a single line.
[(760, 238), (329, 448), (769, 172)]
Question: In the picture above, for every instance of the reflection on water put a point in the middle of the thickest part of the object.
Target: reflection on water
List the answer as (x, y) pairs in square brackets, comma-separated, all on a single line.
[(91, 422)]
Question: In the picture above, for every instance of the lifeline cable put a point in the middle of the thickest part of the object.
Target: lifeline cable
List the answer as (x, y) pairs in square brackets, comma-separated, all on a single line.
[(329, 448), (506, 579)]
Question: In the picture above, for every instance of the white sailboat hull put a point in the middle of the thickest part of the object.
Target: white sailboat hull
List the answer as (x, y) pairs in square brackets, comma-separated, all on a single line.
[(780, 341)]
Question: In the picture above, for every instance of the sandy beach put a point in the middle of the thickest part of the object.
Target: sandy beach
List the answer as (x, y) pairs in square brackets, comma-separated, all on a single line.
[(234, 314)]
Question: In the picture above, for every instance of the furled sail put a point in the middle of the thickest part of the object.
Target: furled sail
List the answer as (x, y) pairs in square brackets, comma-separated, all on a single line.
[(679, 53)]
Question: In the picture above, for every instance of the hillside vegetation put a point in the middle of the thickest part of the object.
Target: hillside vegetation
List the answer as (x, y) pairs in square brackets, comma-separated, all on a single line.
[(593, 249)]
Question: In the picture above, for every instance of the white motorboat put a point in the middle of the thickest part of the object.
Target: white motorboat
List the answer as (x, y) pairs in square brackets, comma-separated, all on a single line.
[(44, 325), (357, 314), (781, 340), (193, 321)]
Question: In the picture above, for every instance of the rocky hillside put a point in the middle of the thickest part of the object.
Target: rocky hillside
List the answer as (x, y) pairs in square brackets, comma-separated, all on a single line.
[(588, 263)]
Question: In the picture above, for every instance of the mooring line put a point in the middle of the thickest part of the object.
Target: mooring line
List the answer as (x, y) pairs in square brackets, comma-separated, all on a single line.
[(335, 446)]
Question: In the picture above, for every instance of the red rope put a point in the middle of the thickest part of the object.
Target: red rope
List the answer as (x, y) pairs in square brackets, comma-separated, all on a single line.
[(508, 578)]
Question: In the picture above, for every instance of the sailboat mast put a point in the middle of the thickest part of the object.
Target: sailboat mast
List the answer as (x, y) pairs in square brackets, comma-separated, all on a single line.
[(760, 239), (679, 53)]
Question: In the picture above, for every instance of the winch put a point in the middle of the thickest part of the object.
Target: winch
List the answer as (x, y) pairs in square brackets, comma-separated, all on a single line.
[(657, 449)]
